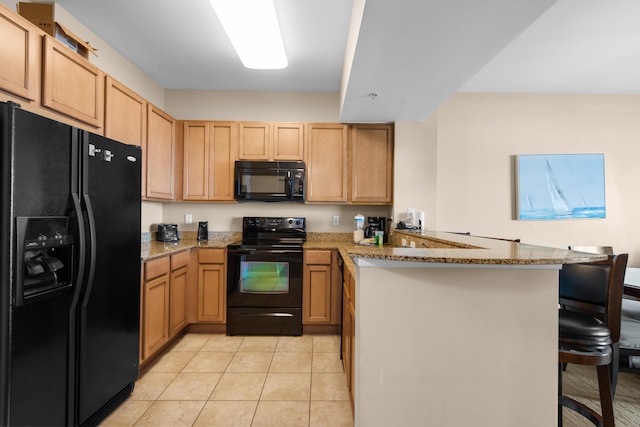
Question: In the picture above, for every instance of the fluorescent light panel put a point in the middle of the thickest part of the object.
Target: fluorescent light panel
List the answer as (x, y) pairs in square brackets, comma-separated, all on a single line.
[(252, 27)]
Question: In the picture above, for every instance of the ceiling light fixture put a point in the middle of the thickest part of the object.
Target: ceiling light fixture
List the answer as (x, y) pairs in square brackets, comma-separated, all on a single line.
[(252, 27)]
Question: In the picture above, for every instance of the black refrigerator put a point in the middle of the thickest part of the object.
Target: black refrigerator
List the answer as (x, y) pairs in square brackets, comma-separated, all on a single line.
[(70, 271)]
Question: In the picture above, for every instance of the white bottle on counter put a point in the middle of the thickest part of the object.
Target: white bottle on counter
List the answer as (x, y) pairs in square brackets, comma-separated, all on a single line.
[(358, 234)]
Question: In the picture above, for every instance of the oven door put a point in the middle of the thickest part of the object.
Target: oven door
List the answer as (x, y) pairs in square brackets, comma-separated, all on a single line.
[(264, 278), (264, 292)]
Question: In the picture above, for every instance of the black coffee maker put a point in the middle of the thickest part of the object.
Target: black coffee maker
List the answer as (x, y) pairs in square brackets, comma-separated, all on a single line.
[(376, 223), (203, 230)]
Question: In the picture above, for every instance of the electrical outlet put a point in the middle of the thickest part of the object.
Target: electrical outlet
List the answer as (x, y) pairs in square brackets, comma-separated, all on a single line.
[(336, 220), (188, 218)]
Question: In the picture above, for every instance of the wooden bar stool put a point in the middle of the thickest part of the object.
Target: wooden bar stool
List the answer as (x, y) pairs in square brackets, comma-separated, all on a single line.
[(589, 329), (584, 340)]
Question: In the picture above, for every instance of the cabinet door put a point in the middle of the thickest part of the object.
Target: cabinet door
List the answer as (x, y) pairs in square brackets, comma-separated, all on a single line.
[(317, 294), (254, 141), (326, 160), (125, 119), (156, 315), (209, 149), (288, 141), (316, 287), (71, 85), (371, 164), (211, 285), (223, 146), (160, 154), (196, 161), (178, 301), (352, 352), (346, 336), (18, 73)]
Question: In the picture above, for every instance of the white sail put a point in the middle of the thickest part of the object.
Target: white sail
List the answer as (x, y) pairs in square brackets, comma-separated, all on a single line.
[(560, 204)]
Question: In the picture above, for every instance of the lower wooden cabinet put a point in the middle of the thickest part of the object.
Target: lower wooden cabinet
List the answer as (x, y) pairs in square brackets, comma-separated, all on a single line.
[(155, 306), (164, 301), (321, 293), (349, 330), (178, 286), (212, 282)]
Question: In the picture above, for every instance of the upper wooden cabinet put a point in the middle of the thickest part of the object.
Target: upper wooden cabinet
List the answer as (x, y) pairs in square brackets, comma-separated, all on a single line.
[(288, 141), (18, 55), (271, 141), (209, 149), (326, 161), (371, 164), (71, 85), (125, 117), (160, 154), (254, 141)]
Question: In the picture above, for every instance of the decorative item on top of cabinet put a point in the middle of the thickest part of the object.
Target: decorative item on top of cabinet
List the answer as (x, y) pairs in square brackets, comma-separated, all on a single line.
[(71, 85), (321, 293), (326, 162), (371, 164), (160, 154), (208, 149), (19, 48), (212, 285)]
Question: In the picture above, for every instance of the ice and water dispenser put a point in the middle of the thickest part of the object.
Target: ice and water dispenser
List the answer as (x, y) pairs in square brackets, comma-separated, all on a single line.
[(45, 258)]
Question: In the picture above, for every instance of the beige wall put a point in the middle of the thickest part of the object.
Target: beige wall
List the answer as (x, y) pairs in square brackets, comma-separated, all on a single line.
[(253, 106), (479, 133), (415, 170)]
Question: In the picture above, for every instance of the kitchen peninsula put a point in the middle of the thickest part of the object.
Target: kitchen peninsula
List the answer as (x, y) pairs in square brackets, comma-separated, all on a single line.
[(459, 331)]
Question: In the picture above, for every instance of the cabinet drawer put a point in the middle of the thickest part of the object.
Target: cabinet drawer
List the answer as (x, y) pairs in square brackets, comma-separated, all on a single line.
[(180, 259), (317, 257), (211, 256), (156, 267)]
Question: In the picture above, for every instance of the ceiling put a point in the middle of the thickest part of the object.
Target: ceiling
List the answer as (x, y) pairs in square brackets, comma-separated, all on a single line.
[(412, 54)]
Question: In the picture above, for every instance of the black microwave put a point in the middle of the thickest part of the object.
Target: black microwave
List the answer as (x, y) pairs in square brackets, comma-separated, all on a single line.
[(269, 181)]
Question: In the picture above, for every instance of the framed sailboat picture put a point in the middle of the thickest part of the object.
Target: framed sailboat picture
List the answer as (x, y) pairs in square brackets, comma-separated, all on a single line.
[(560, 186)]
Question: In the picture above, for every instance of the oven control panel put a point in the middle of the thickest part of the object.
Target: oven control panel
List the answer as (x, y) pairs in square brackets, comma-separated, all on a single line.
[(253, 223)]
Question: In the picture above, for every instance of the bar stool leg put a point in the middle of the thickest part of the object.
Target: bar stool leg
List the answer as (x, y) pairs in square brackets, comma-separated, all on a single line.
[(606, 399), (560, 369)]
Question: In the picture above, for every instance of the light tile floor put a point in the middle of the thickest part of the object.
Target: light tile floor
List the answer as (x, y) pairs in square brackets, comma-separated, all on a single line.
[(218, 380)]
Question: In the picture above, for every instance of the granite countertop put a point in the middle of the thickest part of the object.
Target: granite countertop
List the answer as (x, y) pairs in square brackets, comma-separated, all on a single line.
[(431, 247), (439, 247), (154, 249)]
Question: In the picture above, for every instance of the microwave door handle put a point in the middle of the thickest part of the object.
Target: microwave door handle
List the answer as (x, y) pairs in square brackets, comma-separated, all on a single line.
[(289, 185)]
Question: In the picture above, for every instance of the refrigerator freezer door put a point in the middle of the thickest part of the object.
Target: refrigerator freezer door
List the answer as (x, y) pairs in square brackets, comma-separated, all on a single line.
[(109, 319), (34, 359)]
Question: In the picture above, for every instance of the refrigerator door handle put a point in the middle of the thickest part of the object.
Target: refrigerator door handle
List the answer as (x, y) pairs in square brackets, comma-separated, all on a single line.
[(92, 249), (82, 244)]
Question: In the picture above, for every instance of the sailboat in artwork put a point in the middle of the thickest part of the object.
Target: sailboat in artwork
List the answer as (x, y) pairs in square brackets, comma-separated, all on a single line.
[(559, 201)]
